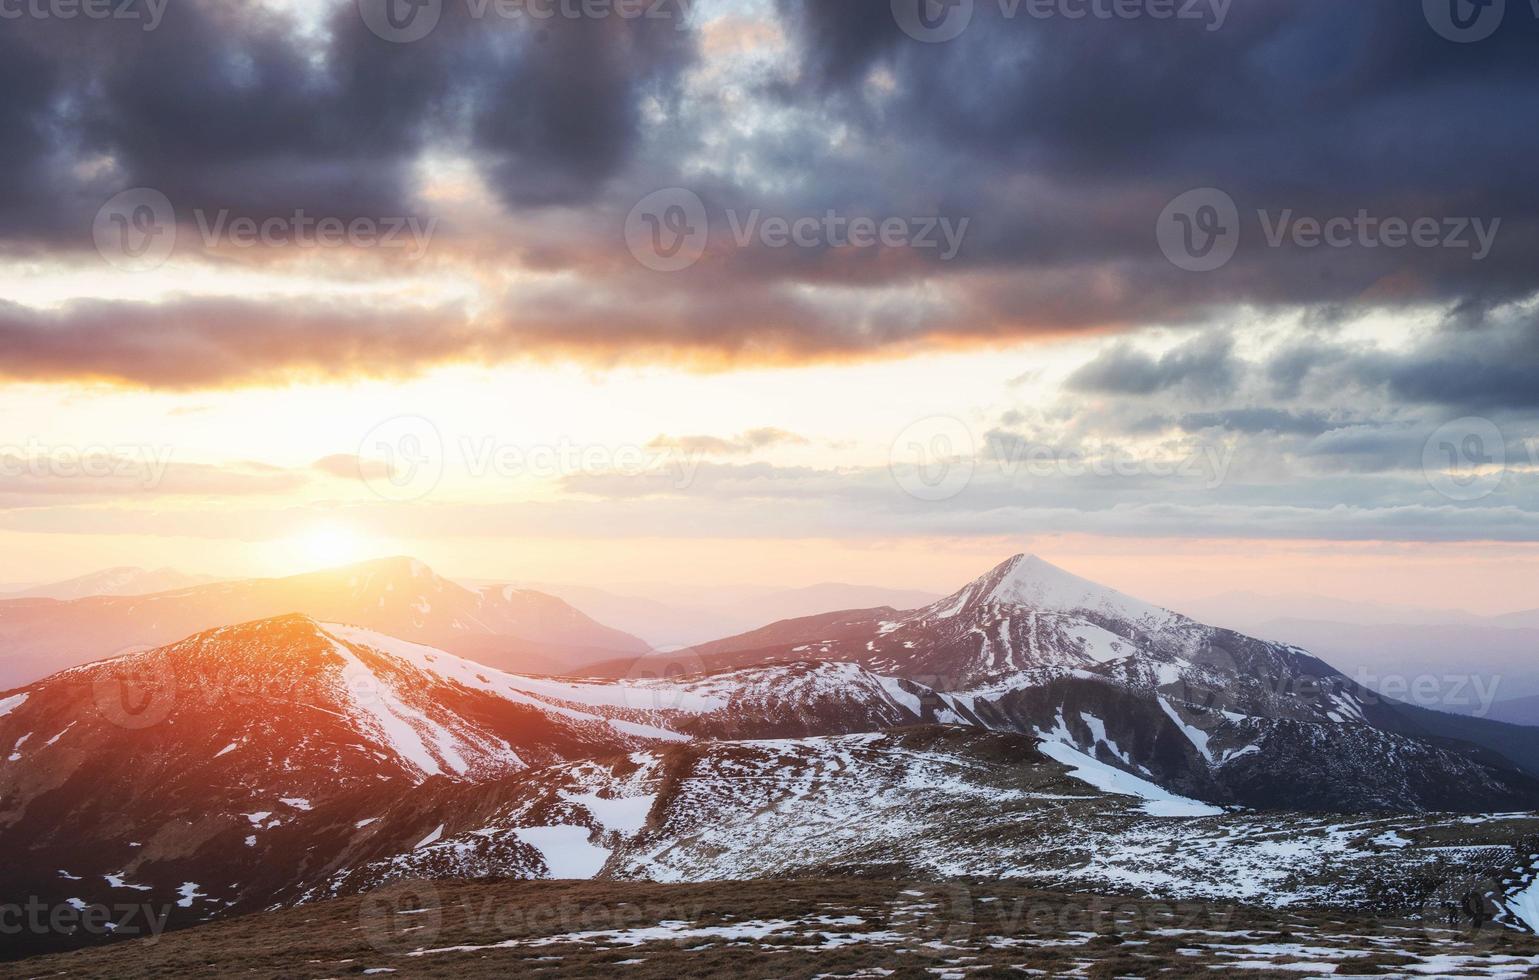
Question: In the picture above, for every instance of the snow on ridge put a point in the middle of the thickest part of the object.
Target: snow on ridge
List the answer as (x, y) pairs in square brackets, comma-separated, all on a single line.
[(10, 704), (896, 692), (394, 721), (1196, 736), (1524, 906), (1029, 581), (518, 689), (491, 680), (1059, 745)]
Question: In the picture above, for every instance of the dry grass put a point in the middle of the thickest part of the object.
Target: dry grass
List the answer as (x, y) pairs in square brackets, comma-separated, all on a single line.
[(799, 928)]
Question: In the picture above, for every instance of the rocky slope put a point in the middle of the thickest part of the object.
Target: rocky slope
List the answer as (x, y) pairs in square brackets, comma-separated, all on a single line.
[(1204, 711)]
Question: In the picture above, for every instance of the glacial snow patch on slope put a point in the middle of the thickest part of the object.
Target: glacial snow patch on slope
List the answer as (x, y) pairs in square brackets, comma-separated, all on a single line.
[(1059, 746)]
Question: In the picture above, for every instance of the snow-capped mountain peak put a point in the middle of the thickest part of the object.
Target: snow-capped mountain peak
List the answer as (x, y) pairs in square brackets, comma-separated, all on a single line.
[(1031, 583)]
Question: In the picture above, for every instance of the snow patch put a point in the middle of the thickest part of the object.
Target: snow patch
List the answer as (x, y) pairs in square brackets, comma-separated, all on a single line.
[(894, 689), (566, 850), (1196, 736), (1158, 802), (188, 891), (626, 815), (432, 838)]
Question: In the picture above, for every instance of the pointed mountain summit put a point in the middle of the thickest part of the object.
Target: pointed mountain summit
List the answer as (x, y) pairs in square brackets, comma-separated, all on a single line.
[(1206, 712), (1023, 621), (1031, 582)]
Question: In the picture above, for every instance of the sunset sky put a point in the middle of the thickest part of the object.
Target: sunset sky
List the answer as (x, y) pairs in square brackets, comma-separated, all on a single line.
[(516, 391)]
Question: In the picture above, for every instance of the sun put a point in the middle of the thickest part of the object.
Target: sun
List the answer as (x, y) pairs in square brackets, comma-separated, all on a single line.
[(328, 545)]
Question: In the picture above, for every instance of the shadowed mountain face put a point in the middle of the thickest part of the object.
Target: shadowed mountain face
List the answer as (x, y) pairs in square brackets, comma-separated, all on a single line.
[(499, 625), (1209, 712)]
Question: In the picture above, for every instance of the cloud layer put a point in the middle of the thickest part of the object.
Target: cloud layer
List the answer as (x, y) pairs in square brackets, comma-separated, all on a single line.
[(1058, 140)]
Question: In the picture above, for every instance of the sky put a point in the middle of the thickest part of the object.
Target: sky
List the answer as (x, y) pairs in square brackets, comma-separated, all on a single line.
[(1189, 298)]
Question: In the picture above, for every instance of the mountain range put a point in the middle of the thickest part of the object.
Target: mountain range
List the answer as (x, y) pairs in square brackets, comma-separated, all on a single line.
[(502, 626), (1031, 725), (123, 580)]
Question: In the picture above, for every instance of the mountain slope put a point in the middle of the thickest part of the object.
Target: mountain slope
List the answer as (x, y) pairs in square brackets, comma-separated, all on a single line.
[(1203, 711), (498, 625), (923, 803), (188, 764), (285, 759)]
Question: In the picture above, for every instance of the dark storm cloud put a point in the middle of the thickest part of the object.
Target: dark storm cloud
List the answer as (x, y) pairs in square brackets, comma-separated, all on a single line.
[(1059, 140), (1321, 107), (223, 106)]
